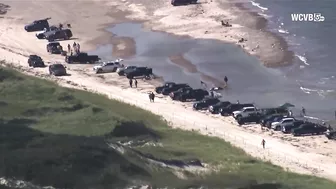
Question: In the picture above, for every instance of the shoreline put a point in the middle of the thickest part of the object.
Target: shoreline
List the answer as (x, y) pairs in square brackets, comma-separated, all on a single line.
[(18, 44)]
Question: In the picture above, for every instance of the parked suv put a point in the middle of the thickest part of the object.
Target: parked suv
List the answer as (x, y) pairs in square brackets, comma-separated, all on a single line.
[(58, 34), (251, 118), (57, 70), (288, 128), (173, 88), (165, 85), (244, 112), (205, 103), (175, 94), (233, 107), (214, 109), (309, 129), (35, 61), (182, 2), (196, 94), (138, 71), (52, 48), (37, 25), (82, 58), (107, 67), (277, 125)]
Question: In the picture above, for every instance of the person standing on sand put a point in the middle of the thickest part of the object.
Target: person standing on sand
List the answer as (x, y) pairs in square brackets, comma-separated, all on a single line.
[(136, 83), (74, 47), (303, 111), (263, 143), (153, 96), (131, 83), (69, 48), (78, 48), (225, 80)]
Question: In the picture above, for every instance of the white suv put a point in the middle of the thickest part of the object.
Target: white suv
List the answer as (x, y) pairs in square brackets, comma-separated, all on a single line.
[(277, 125), (107, 67), (244, 112)]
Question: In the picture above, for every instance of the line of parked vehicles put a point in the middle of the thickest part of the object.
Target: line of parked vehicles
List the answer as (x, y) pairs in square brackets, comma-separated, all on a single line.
[(53, 34), (276, 118)]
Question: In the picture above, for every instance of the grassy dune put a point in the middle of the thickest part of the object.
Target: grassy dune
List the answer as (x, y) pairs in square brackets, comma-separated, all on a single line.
[(62, 137)]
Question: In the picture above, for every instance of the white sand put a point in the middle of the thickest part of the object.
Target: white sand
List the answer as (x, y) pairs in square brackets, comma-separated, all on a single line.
[(311, 155)]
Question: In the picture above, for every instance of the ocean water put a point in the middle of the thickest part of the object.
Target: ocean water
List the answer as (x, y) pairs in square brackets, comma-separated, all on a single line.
[(309, 82), (314, 44)]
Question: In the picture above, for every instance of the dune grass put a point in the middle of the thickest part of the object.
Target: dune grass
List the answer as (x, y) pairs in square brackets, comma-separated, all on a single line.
[(58, 136)]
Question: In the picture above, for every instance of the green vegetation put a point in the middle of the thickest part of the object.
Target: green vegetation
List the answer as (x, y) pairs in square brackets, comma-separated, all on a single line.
[(61, 137)]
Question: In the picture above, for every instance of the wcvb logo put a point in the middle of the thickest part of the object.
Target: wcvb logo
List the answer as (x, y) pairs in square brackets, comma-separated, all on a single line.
[(310, 17)]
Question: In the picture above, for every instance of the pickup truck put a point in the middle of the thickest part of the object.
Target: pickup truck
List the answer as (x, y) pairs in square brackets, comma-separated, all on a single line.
[(214, 109), (244, 112), (173, 88), (82, 58), (309, 129), (165, 85), (138, 71), (196, 94), (205, 103), (233, 107)]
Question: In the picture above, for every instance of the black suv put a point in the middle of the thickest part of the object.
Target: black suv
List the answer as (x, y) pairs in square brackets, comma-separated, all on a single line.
[(183, 2), (82, 58), (294, 125), (57, 70), (165, 85), (37, 25), (224, 111), (205, 103), (173, 88), (58, 34), (138, 71), (309, 129), (175, 94), (214, 109), (196, 94), (35, 61), (53, 48), (251, 118)]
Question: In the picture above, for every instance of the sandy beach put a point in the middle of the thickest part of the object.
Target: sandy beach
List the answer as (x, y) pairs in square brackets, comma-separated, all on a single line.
[(310, 155)]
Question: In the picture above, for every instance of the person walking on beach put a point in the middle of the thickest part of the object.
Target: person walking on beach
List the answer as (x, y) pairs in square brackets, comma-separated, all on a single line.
[(153, 96), (69, 48), (74, 47), (303, 111), (263, 143), (78, 48), (136, 83), (131, 83), (225, 80)]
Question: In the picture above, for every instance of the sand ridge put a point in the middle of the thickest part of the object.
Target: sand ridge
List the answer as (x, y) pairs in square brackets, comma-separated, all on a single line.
[(310, 155)]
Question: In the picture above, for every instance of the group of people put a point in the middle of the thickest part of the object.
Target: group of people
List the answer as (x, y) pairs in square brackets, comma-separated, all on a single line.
[(75, 48), (135, 83)]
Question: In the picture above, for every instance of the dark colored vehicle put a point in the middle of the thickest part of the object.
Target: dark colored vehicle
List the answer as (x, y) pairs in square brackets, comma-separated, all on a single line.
[(37, 25), (57, 70), (127, 69), (205, 103), (35, 61), (183, 2), (173, 88), (331, 135), (175, 94), (251, 118), (64, 34), (271, 111), (196, 94), (138, 71), (52, 48), (214, 109), (264, 120), (224, 111), (309, 129), (51, 28), (268, 124), (82, 58), (289, 128), (165, 85)]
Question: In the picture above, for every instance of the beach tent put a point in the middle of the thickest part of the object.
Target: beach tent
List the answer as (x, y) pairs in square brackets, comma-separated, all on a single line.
[(287, 105)]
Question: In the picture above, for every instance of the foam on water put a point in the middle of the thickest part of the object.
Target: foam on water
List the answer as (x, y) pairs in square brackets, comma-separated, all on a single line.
[(303, 59), (259, 6)]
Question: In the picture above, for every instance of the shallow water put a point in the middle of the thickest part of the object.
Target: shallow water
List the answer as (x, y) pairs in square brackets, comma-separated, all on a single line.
[(249, 81)]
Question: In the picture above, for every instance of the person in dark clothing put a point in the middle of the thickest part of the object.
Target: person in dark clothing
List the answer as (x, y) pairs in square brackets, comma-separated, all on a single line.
[(263, 143), (60, 26), (131, 83), (211, 93), (238, 102), (225, 80), (303, 111), (69, 48), (153, 96), (136, 83), (78, 48)]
